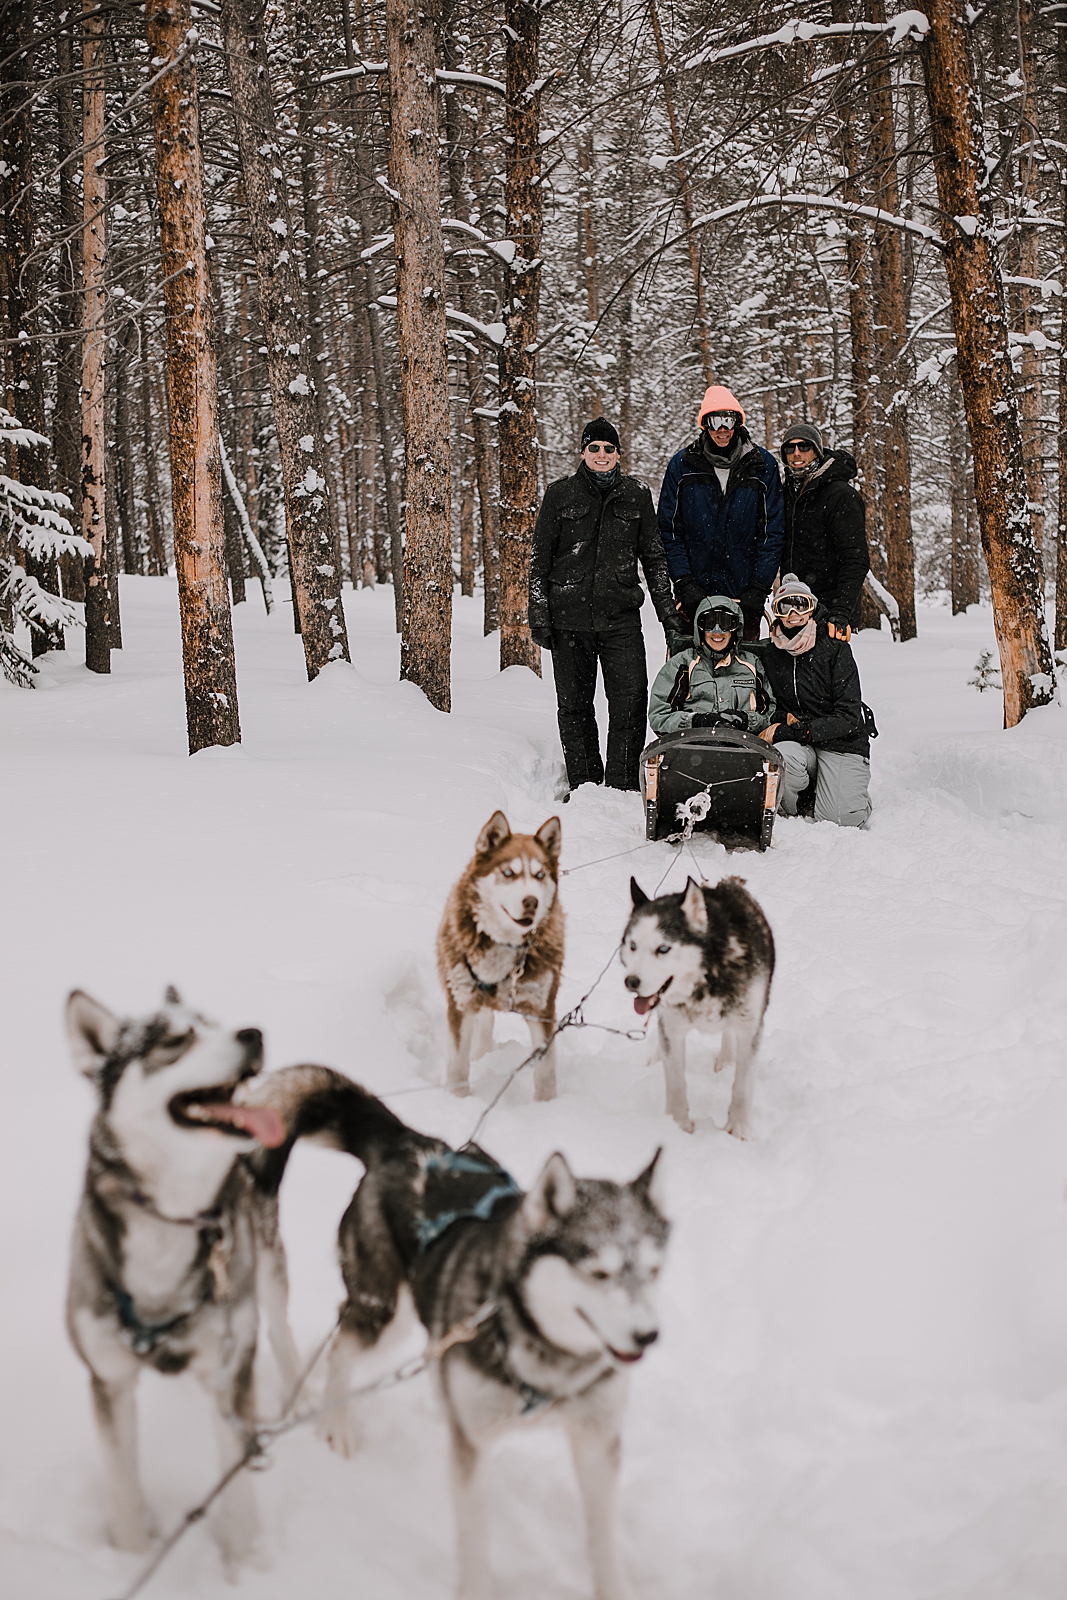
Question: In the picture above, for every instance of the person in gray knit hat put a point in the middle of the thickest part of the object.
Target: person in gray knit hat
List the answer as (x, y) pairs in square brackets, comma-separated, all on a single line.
[(825, 535)]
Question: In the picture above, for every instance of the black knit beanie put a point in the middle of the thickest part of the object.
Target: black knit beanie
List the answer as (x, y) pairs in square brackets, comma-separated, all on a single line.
[(600, 428)]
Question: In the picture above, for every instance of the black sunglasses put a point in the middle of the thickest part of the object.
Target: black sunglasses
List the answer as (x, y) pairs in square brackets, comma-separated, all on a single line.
[(608, 449), (797, 445)]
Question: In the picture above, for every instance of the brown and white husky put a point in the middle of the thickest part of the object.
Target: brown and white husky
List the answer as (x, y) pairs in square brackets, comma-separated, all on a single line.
[(500, 945)]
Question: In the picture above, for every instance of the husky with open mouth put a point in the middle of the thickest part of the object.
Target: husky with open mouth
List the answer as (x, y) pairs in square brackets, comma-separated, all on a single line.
[(538, 1304), (177, 1235), (500, 946), (702, 959)]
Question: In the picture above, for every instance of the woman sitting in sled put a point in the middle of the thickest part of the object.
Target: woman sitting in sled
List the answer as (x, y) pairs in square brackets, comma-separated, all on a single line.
[(716, 682)]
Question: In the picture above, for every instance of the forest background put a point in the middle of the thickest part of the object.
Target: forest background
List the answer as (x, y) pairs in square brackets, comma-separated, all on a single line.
[(323, 294)]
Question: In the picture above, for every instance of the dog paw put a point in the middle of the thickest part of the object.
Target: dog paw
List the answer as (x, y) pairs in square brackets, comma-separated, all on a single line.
[(460, 1090), (739, 1127), (686, 1124)]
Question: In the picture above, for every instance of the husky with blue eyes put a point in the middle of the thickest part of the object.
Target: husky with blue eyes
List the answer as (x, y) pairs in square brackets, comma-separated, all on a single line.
[(702, 959), (500, 946)]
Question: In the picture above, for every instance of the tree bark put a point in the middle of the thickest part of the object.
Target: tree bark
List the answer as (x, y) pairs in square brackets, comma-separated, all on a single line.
[(22, 284), (1028, 300), (316, 572), (964, 566), (414, 173), (979, 316), (692, 241), (518, 417), (157, 541), (195, 468), (98, 594), (891, 333), (1061, 519), (66, 418)]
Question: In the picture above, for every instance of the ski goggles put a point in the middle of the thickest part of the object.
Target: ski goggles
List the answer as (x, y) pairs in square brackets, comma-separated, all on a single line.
[(718, 621), (714, 420), (802, 604)]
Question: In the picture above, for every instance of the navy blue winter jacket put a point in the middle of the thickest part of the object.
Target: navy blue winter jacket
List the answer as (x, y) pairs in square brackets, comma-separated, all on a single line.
[(730, 542)]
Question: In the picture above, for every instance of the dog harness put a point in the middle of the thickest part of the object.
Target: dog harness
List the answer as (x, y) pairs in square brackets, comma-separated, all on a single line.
[(144, 1336), (460, 1186), (512, 980)]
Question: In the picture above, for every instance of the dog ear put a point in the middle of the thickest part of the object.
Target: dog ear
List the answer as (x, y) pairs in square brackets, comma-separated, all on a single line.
[(637, 895), (694, 908), (496, 830), (172, 997), (552, 1195), (93, 1031), (649, 1184), (550, 836)]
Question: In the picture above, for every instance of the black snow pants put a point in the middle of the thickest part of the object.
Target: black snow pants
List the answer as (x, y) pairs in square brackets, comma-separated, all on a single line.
[(620, 649)]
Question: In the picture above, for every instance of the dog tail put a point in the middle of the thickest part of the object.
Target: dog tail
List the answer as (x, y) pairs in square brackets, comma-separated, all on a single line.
[(322, 1105)]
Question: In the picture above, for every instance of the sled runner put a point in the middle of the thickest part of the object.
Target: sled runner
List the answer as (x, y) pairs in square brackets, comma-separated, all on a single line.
[(723, 780)]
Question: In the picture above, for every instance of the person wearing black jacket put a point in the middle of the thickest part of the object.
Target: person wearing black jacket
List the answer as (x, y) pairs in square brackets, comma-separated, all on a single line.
[(825, 526), (821, 731), (585, 605)]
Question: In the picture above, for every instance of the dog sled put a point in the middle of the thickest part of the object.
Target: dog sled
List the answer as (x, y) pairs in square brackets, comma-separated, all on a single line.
[(715, 780)]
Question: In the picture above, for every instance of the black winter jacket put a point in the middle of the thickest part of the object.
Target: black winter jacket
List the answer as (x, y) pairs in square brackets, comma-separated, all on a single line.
[(821, 688), (583, 562), (825, 535)]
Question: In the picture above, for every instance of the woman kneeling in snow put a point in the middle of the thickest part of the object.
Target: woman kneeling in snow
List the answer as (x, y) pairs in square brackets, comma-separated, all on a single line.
[(713, 683), (822, 731)]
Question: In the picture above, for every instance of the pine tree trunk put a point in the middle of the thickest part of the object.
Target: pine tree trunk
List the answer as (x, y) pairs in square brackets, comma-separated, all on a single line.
[(66, 419), (861, 330), (157, 540), (979, 317), (891, 333), (22, 320), (315, 568), (964, 573), (1061, 519), (414, 173), (94, 247), (692, 239), (123, 453), (518, 416), (195, 467), (466, 517), (1027, 298)]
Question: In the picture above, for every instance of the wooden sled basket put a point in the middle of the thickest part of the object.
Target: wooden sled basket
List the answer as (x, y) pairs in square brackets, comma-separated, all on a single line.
[(725, 781)]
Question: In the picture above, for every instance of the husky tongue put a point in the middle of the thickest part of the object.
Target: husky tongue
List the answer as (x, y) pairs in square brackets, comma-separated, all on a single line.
[(644, 1002), (262, 1122)]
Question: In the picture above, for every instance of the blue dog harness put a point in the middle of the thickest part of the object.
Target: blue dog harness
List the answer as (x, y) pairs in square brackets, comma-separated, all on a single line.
[(460, 1187)]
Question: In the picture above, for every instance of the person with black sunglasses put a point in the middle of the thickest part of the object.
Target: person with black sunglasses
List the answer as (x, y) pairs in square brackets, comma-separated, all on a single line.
[(720, 513), (585, 598), (825, 525)]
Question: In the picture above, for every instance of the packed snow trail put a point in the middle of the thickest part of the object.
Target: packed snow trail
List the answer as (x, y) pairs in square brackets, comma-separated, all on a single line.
[(861, 1382)]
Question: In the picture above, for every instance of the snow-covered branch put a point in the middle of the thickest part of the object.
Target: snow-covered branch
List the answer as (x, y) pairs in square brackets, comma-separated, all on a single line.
[(493, 333), (905, 25), (375, 69), (255, 549)]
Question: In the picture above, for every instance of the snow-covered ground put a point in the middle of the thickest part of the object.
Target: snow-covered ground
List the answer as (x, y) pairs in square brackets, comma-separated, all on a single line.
[(861, 1385)]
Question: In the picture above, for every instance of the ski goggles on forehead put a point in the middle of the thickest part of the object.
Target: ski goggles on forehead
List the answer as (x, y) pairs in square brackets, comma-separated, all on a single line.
[(718, 621), (803, 604), (714, 420)]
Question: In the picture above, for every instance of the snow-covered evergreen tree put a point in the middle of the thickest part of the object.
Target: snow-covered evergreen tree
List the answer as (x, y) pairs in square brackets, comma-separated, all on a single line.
[(31, 520)]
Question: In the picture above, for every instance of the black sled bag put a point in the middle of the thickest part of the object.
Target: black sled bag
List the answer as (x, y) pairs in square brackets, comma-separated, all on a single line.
[(720, 779)]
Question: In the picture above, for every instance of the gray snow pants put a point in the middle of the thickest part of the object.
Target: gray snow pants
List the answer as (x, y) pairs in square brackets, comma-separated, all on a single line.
[(840, 783)]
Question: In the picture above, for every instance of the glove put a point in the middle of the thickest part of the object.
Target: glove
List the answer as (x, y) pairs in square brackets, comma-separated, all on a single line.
[(676, 642), (690, 593), (798, 732), (541, 636), (838, 627), (734, 719), (752, 599), (705, 719)]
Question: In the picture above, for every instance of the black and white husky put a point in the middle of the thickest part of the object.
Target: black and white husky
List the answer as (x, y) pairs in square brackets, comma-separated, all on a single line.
[(703, 959), (537, 1303), (177, 1232)]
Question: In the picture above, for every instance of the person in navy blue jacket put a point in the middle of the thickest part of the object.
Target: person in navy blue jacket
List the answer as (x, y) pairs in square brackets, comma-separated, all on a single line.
[(720, 513)]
